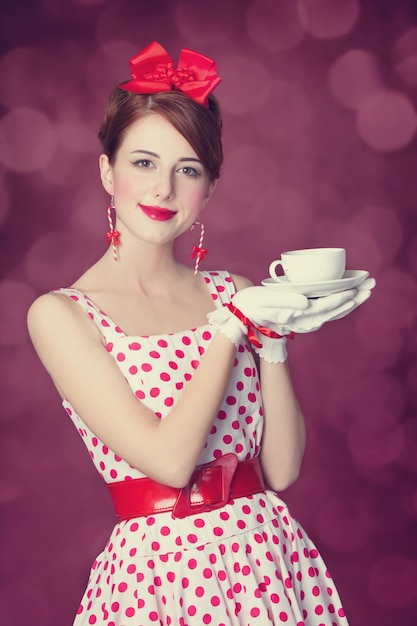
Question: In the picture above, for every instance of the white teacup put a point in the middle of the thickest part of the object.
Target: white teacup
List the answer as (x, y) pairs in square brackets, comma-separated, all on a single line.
[(311, 265)]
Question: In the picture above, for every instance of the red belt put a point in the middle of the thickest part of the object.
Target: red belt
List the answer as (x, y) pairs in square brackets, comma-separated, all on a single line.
[(211, 486)]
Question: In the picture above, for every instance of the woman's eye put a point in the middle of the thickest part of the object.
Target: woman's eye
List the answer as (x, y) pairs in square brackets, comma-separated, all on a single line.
[(190, 171), (143, 163)]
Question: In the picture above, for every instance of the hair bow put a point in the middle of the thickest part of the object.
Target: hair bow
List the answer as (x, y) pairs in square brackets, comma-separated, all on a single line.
[(153, 71)]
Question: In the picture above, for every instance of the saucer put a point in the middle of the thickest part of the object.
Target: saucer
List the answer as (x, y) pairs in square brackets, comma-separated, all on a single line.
[(349, 280)]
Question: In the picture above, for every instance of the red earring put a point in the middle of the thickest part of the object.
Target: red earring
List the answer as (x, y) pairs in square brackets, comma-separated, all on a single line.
[(113, 235), (198, 252)]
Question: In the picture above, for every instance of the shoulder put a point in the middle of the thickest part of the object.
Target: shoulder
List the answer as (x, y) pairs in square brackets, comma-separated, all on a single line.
[(52, 314), (240, 282)]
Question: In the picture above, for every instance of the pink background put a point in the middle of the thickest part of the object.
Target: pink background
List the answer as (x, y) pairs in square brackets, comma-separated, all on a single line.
[(319, 100)]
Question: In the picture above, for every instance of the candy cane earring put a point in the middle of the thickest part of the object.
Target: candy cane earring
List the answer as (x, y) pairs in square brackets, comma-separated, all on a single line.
[(113, 235), (198, 252)]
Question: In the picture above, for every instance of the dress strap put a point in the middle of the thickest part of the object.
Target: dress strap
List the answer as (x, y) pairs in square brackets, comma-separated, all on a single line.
[(220, 286), (107, 327)]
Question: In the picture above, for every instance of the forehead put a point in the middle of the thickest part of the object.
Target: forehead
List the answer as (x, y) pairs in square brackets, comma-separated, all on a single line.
[(155, 134)]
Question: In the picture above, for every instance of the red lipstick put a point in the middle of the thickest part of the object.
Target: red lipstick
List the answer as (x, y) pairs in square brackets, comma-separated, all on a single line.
[(157, 213)]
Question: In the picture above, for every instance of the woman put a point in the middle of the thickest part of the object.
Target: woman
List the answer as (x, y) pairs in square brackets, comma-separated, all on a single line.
[(156, 391)]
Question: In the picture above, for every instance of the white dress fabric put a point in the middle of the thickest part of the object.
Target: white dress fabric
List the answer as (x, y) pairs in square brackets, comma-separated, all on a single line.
[(248, 563)]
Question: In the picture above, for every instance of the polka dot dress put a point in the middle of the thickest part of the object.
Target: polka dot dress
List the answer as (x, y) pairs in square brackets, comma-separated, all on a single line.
[(248, 563)]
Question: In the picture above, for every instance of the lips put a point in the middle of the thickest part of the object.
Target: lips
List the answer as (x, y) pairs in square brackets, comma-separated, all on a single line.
[(157, 213)]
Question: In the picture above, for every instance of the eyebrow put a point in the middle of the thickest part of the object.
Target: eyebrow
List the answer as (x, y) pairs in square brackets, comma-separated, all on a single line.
[(154, 154)]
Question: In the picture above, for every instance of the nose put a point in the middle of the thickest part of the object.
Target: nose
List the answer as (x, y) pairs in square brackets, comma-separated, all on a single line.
[(163, 186)]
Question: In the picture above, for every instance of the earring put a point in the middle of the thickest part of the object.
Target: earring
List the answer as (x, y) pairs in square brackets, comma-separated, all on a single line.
[(198, 252), (113, 235)]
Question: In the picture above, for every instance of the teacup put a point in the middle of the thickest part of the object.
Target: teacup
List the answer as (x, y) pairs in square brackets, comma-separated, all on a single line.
[(311, 265)]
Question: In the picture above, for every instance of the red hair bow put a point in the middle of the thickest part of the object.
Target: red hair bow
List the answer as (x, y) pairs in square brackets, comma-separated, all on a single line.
[(153, 71)]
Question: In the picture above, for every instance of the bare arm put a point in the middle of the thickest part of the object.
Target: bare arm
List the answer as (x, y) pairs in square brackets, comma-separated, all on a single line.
[(71, 349), (283, 439)]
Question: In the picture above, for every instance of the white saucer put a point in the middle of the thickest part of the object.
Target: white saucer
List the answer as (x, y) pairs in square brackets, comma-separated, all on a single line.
[(349, 280)]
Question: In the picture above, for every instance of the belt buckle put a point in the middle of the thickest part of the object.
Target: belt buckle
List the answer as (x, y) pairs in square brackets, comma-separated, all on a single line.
[(220, 470)]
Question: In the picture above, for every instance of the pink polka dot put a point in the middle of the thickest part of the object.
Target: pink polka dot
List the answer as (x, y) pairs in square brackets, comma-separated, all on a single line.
[(173, 365), (283, 616), (120, 356), (206, 618), (92, 619), (146, 367), (133, 370), (134, 346), (162, 343), (231, 400), (154, 354), (165, 376), (169, 401), (180, 354), (186, 341), (206, 335), (154, 392), (139, 394), (255, 612)]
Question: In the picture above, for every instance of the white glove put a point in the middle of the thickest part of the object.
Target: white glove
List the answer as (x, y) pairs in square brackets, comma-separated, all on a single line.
[(326, 309), (253, 312)]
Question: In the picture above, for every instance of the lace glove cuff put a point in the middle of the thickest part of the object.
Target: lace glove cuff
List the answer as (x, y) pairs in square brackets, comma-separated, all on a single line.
[(273, 350), (228, 324)]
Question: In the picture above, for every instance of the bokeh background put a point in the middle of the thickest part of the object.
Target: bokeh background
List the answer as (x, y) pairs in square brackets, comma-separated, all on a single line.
[(319, 101)]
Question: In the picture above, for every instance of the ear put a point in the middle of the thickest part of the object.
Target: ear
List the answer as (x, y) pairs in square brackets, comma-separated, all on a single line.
[(210, 191), (106, 173)]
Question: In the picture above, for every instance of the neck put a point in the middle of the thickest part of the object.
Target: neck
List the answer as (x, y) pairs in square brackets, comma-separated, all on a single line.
[(147, 265)]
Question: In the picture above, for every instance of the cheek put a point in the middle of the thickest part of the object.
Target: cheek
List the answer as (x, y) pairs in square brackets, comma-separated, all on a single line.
[(124, 186), (196, 197)]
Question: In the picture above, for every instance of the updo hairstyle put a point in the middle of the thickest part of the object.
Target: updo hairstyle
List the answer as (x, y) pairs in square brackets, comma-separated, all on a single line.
[(199, 126)]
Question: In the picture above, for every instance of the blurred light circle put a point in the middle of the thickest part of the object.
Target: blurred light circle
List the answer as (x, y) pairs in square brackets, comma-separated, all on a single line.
[(16, 298), (27, 140), (207, 22), (395, 298), (372, 448), (274, 26), (353, 77), (326, 19), (248, 172), (392, 581), (54, 260), (375, 399), (344, 525), (287, 211), (238, 72), (107, 67), (21, 77), (407, 69), (77, 136), (384, 226), (287, 111), (387, 120), (405, 56), (362, 251)]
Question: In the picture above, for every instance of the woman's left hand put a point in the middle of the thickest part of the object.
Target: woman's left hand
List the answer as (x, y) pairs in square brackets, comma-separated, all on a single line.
[(327, 308)]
